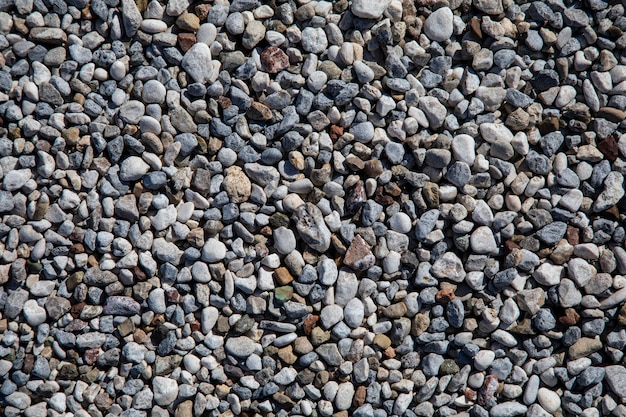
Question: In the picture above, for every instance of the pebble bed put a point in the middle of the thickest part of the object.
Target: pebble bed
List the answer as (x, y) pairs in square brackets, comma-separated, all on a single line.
[(369, 208)]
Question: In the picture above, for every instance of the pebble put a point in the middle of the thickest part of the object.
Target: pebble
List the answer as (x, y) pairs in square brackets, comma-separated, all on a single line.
[(439, 25), (314, 40), (165, 390), (364, 208), (312, 228), (549, 400), (508, 409), (213, 251), (368, 9), (33, 313), (353, 313), (240, 346), (616, 379), (133, 168), (197, 63), (482, 241)]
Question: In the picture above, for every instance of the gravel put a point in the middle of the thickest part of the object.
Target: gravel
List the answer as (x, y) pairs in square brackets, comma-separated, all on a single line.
[(368, 208)]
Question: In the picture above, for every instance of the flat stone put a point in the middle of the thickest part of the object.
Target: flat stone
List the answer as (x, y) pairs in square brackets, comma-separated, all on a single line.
[(330, 354), (16, 179), (353, 313), (490, 7), (508, 409), (132, 112), (331, 315), (284, 240), (314, 40), (548, 274), (241, 347), (345, 287), (121, 306), (345, 394), (584, 347), (613, 192)]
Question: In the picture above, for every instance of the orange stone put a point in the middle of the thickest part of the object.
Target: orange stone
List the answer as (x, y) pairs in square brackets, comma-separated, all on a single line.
[(282, 275), (335, 132), (359, 396), (390, 352)]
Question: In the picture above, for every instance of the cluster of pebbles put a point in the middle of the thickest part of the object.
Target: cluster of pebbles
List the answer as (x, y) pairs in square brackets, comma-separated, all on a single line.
[(313, 208)]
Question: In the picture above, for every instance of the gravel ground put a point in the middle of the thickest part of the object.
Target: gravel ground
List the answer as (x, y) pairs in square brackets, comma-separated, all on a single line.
[(369, 208)]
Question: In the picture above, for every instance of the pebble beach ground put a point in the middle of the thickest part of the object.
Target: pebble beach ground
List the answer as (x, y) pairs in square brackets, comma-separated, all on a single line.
[(362, 208)]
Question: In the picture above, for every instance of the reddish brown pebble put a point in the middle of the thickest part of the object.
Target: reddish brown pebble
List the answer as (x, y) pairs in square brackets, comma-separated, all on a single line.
[(445, 296), (195, 325), (224, 102), (76, 309), (139, 274), (609, 148), (359, 396), (172, 295), (29, 362), (335, 132), (309, 324), (75, 326), (356, 197), (77, 248), (139, 336), (91, 356), (274, 59), (186, 41), (359, 256), (489, 388), (470, 394), (572, 235), (373, 168), (510, 245), (570, 318), (475, 26)]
